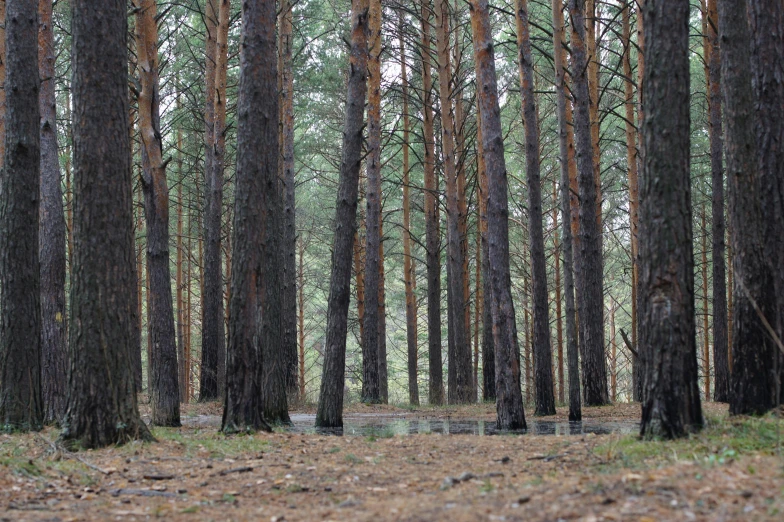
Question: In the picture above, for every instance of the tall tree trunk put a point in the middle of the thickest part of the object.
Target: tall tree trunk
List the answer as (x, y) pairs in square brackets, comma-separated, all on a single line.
[(179, 278), (705, 311), (590, 293), (613, 358), (54, 355), (767, 66), (488, 343), (330, 408), (566, 149), (164, 389), (371, 392), (102, 408), (432, 229), (301, 311), (409, 273), (721, 388), (21, 404), (383, 381), (637, 375), (188, 300), (592, 49), (632, 176), (671, 395), (255, 388), (545, 399), (286, 37), (509, 402), (558, 310), (754, 375), (213, 347), (459, 386)]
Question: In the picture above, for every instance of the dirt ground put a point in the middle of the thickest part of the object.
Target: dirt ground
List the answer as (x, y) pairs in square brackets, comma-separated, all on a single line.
[(733, 470)]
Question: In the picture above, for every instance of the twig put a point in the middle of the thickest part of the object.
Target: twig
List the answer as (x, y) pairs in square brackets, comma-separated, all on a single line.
[(66, 453), (628, 343)]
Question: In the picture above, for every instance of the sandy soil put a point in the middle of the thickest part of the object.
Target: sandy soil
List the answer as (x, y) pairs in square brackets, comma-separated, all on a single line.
[(732, 471)]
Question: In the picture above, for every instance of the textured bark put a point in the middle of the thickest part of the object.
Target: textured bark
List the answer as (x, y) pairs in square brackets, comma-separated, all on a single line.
[(409, 272), (632, 176), (593, 91), (183, 381), (54, 355), (488, 343), (213, 348), (301, 311), (285, 45), (3, 107), (766, 18), (330, 408), (705, 311), (545, 399), (754, 375), (459, 386), (371, 392), (102, 407), (613, 359), (21, 405), (164, 388), (432, 229), (721, 388), (671, 395), (509, 401), (590, 293), (564, 132), (255, 387), (558, 309), (383, 383)]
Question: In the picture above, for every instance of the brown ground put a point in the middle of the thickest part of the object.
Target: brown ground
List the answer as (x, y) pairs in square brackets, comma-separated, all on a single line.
[(729, 472)]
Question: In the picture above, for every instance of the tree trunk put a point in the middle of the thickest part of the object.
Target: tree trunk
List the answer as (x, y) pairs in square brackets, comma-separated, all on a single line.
[(286, 37), (432, 229), (509, 402), (21, 405), (590, 293), (721, 387), (330, 408), (767, 66), (54, 355), (558, 310), (255, 387), (301, 311), (179, 270), (545, 399), (593, 91), (564, 133), (671, 395), (705, 311), (459, 386), (164, 389), (637, 375), (634, 191), (383, 381), (754, 354), (488, 346), (613, 358), (213, 347), (102, 407)]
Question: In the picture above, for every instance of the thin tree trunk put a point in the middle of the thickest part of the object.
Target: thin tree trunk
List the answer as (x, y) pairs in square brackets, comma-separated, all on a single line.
[(255, 387), (178, 275), (102, 407), (330, 409), (671, 395), (754, 354), (545, 400), (21, 404), (188, 300), (558, 311), (383, 383), (705, 311), (432, 229), (613, 358), (593, 89), (509, 402), (301, 311), (54, 354), (213, 347), (488, 343), (767, 66)]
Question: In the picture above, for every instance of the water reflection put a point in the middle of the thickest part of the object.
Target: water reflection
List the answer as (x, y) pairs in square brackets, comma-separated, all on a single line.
[(387, 426)]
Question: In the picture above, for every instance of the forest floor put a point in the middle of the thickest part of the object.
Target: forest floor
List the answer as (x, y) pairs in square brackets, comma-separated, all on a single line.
[(732, 470)]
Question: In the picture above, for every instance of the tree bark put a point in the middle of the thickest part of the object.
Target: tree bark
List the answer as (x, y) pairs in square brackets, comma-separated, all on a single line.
[(488, 343), (286, 43), (102, 408), (705, 311), (590, 293), (330, 408), (164, 388), (766, 18), (545, 399), (371, 392), (21, 404), (255, 387), (671, 395), (721, 387), (509, 402), (564, 132), (754, 375), (54, 354), (432, 229), (558, 309), (212, 376)]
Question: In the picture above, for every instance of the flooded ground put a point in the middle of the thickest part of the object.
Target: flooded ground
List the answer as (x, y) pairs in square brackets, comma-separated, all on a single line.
[(386, 425)]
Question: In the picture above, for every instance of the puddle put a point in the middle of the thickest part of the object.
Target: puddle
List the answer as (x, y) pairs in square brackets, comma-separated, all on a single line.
[(371, 424)]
